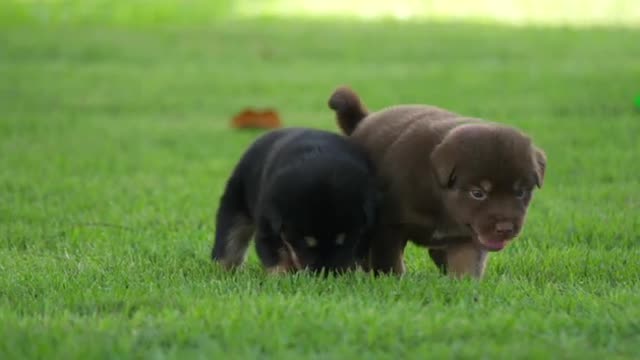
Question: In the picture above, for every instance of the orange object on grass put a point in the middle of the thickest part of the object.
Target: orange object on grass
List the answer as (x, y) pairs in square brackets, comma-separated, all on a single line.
[(249, 118)]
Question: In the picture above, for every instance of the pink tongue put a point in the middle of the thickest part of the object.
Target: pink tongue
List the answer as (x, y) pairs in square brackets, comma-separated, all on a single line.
[(495, 244)]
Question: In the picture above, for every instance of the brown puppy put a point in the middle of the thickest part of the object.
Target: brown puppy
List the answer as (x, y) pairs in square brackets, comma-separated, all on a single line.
[(459, 186)]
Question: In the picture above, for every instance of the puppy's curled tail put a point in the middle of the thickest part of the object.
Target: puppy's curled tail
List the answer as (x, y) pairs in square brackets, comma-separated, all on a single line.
[(348, 107)]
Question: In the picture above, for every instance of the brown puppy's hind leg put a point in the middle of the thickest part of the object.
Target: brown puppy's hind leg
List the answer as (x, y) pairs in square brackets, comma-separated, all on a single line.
[(439, 257), (387, 251)]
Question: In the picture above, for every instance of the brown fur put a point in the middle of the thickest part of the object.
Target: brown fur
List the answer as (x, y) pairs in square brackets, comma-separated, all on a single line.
[(459, 186)]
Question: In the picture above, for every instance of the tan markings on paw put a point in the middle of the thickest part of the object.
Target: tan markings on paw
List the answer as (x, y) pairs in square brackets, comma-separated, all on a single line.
[(290, 257), (277, 270)]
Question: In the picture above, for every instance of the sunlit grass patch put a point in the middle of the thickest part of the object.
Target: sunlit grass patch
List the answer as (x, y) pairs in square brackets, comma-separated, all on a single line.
[(192, 12)]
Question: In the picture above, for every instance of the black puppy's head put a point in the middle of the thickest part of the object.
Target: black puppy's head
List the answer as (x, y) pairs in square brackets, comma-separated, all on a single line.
[(323, 213)]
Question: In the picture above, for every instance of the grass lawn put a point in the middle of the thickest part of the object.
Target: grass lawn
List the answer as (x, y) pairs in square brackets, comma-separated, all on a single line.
[(115, 146)]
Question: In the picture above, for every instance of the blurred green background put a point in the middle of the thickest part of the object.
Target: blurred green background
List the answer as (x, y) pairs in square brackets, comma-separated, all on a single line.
[(189, 12), (115, 145)]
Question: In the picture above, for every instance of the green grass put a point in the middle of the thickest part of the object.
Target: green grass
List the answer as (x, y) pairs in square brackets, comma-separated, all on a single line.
[(115, 146)]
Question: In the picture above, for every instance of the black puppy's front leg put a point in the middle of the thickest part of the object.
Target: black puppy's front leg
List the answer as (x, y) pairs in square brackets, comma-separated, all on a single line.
[(275, 254)]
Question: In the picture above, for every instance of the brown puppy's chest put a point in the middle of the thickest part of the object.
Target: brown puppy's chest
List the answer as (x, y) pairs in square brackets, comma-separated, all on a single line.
[(438, 236), (419, 213)]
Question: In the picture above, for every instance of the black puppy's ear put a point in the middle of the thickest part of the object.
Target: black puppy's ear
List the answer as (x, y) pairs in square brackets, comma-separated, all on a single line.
[(443, 163), (540, 165)]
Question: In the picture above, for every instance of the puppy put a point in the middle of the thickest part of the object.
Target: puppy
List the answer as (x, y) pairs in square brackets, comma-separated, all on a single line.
[(310, 196), (459, 186)]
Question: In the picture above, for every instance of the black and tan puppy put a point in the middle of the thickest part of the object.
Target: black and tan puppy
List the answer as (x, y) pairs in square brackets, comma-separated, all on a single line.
[(310, 197), (459, 186)]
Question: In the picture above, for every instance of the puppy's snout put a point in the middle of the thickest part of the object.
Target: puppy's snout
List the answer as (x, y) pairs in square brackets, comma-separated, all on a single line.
[(505, 228)]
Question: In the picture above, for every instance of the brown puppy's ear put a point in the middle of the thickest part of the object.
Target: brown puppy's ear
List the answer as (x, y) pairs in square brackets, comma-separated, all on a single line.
[(443, 161), (541, 165)]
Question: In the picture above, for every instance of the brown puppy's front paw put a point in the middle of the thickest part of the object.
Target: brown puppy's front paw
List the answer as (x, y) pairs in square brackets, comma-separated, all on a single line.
[(466, 260), (389, 265)]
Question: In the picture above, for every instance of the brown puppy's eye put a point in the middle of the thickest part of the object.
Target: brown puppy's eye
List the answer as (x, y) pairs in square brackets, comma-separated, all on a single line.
[(521, 193), (478, 194)]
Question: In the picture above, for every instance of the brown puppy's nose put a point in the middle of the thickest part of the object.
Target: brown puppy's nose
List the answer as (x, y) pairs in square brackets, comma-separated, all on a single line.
[(504, 228)]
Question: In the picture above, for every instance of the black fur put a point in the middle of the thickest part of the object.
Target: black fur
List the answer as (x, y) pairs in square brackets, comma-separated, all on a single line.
[(295, 183)]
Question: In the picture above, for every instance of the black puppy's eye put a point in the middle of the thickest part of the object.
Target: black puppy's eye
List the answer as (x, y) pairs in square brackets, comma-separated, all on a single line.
[(478, 194), (310, 241)]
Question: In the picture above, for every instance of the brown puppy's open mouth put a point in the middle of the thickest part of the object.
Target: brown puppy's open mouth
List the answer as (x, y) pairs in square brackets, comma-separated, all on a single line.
[(491, 244)]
